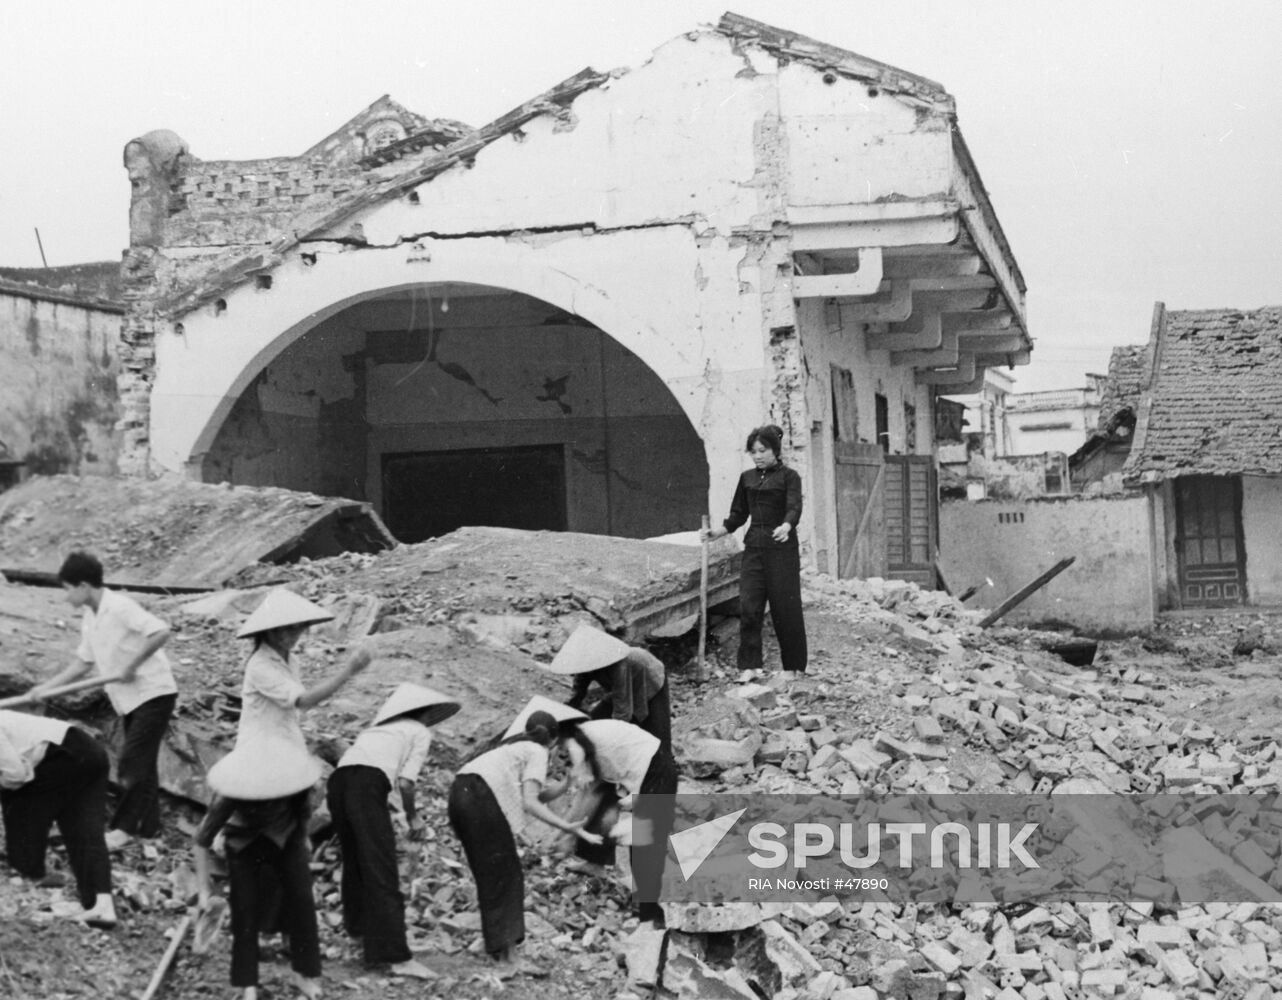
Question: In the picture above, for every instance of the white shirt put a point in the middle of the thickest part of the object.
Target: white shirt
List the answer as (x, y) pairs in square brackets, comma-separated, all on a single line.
[(623, 751), (505, 769), (111, 637), (397, 747), (269, 698), (24, 739)]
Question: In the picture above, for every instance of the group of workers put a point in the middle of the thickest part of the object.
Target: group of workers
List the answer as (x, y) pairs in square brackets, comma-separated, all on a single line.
[(54, 772)]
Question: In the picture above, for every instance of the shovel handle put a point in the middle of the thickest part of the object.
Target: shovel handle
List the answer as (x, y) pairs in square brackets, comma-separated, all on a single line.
[(31, 699), (703, 597)]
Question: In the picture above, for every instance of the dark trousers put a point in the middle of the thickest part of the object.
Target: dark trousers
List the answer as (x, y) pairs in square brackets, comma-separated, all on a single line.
[(255, 874), (138, 811), (771, 576), (659, 786), (373, 907), (490, 848), (69, 788)]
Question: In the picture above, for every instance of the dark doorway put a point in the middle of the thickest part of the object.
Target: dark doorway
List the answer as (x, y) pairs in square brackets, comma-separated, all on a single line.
[(882, 411), (1208, 541), (430, 493)]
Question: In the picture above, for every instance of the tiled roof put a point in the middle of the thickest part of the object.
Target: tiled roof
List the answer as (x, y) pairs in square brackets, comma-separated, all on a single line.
[(95, 285), (1127, 369), (1213, 405)]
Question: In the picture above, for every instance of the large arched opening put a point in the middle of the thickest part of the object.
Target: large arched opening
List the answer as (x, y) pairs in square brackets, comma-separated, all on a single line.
[(454, 404)]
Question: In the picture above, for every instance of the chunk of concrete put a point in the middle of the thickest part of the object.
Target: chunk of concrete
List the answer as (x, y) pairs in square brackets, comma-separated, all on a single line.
[(711, 918), (643, 953)]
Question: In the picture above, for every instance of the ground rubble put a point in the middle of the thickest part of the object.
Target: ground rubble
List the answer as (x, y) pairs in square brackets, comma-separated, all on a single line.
[(906, 695), (978, 712)]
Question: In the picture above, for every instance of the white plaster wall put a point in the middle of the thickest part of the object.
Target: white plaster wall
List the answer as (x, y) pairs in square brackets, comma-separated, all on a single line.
[(1108, 587), (1262, 536), (669, 141), (846, 145)]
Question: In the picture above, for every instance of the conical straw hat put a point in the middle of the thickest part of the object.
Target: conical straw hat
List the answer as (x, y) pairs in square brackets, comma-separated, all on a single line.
[(562, 713), (280, 608), (586, 650), (264, 767), (414, 697)]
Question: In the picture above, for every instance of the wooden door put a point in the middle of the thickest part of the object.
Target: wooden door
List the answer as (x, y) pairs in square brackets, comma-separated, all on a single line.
[(858, 475), (1208, 541), (912, 518)]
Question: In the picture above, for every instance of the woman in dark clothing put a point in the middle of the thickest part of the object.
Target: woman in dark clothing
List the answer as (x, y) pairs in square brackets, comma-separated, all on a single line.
[(262, 812), (769, 494), (635, 689)]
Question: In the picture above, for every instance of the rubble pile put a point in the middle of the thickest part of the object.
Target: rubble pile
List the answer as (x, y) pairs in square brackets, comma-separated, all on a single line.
[(956, 709), (906, 695)]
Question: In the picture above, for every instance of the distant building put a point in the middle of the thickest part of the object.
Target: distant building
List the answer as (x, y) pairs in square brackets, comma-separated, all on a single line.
[(1055, 420)]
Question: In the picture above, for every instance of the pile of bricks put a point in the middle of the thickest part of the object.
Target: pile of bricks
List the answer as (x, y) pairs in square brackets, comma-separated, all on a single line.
[(979, 716)]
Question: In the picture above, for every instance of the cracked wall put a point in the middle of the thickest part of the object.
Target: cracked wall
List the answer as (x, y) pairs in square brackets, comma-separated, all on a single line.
[(58, 369), (401, 376), (656, 206)]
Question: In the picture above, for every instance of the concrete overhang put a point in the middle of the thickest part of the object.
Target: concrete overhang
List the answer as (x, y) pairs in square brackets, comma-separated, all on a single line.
[(932, 279)]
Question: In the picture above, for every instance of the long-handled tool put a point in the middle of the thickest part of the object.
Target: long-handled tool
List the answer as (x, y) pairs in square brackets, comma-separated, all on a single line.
[(30, 699), (701, 670), (167, 959)]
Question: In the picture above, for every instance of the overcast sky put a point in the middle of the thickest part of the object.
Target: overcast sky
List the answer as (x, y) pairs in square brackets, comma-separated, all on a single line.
[(1132, 148)]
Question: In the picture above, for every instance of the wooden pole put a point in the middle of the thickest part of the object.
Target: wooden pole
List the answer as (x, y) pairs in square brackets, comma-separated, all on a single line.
[(701, 669), (1024, 593), (167, 959), (31, 699)]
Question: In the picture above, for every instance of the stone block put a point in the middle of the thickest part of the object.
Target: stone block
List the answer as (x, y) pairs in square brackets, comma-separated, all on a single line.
[(642, 952), (711, 918), (795, 963), (928, 729)]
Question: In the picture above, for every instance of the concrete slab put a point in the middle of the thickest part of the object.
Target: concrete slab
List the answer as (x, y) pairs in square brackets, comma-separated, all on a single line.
[(173, 532)]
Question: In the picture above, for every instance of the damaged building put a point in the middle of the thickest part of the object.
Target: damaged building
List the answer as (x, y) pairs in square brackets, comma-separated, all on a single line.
[(569, 318)]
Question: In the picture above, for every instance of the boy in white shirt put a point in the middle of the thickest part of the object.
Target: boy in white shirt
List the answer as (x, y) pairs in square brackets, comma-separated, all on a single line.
[(123, 641)]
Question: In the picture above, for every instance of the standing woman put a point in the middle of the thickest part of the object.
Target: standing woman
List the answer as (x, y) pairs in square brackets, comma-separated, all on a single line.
[(52, 772), (385, 757), (770, 495), (273, 695), (490, 800)]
